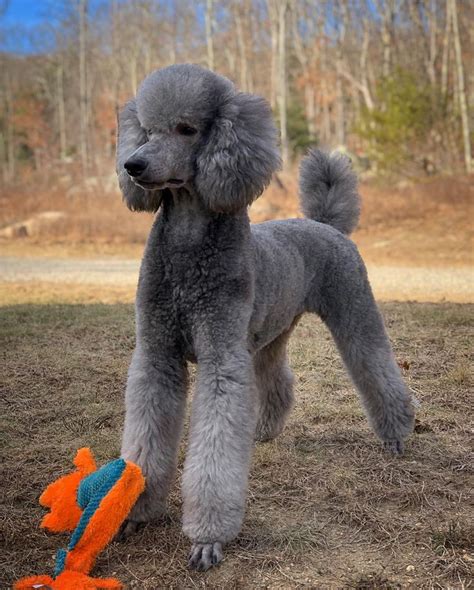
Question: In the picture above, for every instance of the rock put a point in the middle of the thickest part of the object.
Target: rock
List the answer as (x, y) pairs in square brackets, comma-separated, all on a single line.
[(31, 226)]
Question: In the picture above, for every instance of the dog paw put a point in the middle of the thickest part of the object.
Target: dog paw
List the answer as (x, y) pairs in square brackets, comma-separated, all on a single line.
[(396, 447), (205, 555), (264, 438), (264, 434), (128, 529), (131, 526)]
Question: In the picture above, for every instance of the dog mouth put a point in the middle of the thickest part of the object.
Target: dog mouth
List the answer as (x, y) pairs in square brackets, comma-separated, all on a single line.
[(170, 183)]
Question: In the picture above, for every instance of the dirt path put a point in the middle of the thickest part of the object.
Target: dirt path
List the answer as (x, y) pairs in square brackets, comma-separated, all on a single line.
[(428, 284), (102, 271), (389, 282)]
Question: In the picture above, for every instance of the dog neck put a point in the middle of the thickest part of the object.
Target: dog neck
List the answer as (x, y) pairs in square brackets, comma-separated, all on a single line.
[(184, 217)]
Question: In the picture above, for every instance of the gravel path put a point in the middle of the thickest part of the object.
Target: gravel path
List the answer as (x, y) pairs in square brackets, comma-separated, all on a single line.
[(102, 271), (406, 283), (388, 282)]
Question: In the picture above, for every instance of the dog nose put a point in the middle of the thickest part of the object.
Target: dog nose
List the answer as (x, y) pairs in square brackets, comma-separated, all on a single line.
[(135, 166)]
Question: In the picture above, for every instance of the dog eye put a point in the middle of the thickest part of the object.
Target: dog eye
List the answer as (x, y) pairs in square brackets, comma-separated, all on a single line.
[(184, 129)]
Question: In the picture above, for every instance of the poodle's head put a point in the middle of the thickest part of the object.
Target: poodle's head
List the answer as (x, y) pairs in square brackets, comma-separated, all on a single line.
[(188, 126)]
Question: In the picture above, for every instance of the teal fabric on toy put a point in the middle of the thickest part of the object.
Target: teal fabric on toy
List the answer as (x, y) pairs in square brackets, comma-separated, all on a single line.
[(91, 491), (98, 483), (60, 562)]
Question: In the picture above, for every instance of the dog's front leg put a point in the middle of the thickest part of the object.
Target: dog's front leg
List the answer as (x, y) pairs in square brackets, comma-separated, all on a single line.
[(221, 439), (155, 404)]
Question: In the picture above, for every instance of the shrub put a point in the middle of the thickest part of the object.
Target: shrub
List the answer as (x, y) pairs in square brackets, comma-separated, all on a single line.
[(298, 133), (400, 120)]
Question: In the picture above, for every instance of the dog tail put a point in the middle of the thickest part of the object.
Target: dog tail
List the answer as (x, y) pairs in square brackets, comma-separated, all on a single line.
[(328, 190)]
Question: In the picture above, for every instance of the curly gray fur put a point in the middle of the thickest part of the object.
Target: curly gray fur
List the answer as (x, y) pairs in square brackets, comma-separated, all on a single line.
[(217, 291), (328, 190)]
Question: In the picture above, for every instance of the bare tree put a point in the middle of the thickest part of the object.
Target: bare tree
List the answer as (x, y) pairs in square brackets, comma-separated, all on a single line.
[(326, 99), (338, 51), (356, 72), (278, 11), (387, 10), (424, 14), (446, 48), (209, 36), (282, 81), (83, 92), (461, 87), (239, 11), (306, 57), (273, 20), (10, 148), (61, 110), (341, 19)]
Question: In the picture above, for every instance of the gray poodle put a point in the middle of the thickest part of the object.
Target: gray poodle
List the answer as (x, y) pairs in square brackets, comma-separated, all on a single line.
[(216, 291)]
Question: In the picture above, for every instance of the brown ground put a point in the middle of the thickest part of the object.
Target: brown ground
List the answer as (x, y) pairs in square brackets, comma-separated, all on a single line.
[(416, 239), (327, 508), (428, 224)]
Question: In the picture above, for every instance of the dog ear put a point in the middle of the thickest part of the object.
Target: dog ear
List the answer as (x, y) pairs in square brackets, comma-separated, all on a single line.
[(130, 137), (240, 155)]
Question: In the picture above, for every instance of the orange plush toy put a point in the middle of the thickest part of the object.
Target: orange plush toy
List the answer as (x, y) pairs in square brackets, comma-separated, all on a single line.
[(92, 503)]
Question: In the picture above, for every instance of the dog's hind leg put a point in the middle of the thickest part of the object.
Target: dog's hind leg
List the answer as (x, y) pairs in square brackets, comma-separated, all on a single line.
[(275, 387), (347, 306)]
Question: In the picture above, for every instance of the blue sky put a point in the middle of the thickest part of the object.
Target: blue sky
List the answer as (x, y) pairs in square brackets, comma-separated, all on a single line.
[(21, 17), (24, 17), (24, 12)]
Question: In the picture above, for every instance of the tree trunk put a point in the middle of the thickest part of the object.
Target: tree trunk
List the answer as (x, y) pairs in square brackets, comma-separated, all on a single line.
[(133, 73), (387, 51), (248, 43), (446, 47), (116, 77), (310, 110), (423, 13), (83, 91), (461, 89), (10, 140), (433, 53), (273, 17), (242, 53), (3, 156), (387, 10), (340, 114), (362, 86), (282, 83), (209, 37), (230, 56), (174, 33), (326, 115), (364, 70), (326, 127), (61, 111), (340, 127), (302, 56)]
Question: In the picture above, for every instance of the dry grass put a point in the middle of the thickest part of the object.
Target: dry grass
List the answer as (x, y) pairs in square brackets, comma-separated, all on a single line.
[(327, 508)]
